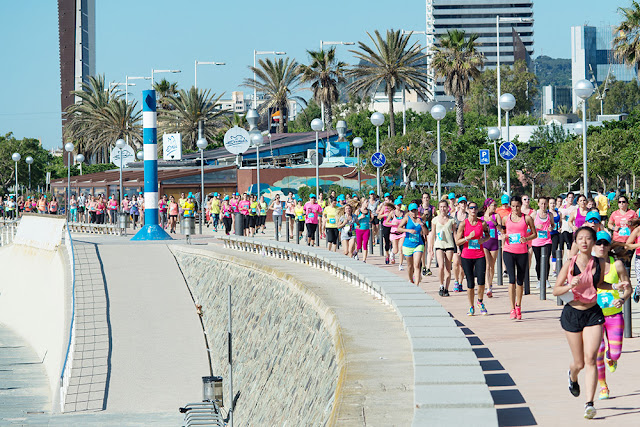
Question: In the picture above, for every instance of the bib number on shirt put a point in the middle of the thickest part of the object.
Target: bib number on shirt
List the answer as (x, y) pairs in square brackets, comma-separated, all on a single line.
[(492, 233), (543, 234), (311, 215), (474, 244), (414, 237), (332, 220), (605, 300), (300, 217), (624, 231), (514, 238)]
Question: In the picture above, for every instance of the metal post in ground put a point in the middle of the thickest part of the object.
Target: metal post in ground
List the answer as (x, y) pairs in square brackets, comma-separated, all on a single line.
[(275, 230), (543, 273), (297, 232), (558, 268), (626, 311), (318, 235), (527, 281), (381, 242), (371, 242), (499, 262), (287, 229)]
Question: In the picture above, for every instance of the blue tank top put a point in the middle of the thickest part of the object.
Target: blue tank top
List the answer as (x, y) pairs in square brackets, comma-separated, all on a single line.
[(363, 221), (556, 220), (413, 240)]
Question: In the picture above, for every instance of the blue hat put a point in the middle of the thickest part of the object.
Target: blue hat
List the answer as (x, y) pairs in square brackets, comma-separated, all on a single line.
[(126, 195), (603, 235), (451, 196), (397, 201), (413, 206), (340, 197), (312, 196), (372, 192), (215, 194), (299, 199), (504, 199), (190, 194), (226, 198), (386, 194), (593, 215), (354, 195), (462, 199)]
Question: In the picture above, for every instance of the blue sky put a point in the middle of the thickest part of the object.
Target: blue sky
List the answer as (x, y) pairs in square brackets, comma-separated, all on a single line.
[(134, 36)]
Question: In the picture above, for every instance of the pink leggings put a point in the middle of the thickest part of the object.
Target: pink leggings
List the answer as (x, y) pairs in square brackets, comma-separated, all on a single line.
[(613, 332), (362, 239)]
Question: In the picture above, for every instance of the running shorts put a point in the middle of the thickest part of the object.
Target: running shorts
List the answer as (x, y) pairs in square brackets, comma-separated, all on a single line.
[(410, 251), (574, 320)]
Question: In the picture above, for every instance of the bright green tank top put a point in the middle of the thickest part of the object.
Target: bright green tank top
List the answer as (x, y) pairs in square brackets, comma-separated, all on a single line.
[(606, 297)]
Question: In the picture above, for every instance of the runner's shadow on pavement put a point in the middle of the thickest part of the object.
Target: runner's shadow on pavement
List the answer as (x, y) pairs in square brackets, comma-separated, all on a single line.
[(502, 387)]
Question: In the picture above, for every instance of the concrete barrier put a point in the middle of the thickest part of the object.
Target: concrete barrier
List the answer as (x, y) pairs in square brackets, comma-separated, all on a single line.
[(449, 385)]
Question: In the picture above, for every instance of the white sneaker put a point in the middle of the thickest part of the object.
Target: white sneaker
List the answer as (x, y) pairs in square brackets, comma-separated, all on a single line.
[(548, 284), (400, 267), (589, 411)]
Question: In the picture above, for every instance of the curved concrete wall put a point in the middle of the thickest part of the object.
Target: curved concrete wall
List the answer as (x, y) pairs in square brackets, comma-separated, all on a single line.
[(33, 291), (288, 356)]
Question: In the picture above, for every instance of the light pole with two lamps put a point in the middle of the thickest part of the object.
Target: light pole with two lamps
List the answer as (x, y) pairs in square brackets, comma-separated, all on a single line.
[(377, 119), (494, 135), (16, 158), (255, 139), (316, 125), (357, 144), (438, 112), (68, 147), (201, 144), (80, 160), (584, 89), (507, 102), (120, 144), (29, 161)]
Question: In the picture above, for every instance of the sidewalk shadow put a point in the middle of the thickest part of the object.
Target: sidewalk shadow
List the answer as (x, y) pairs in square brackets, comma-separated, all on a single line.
[(502, 387)]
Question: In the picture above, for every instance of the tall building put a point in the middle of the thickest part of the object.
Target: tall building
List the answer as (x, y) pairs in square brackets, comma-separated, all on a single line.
[(592, 57), (480, 17), (77, 34)]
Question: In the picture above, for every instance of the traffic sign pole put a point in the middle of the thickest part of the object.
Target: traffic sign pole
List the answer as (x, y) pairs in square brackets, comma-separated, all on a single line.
[(485, 181), (508, 162), (377, 151), (439, 165)]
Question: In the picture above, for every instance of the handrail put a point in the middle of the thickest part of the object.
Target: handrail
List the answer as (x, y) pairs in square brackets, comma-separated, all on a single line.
[(65, 375)]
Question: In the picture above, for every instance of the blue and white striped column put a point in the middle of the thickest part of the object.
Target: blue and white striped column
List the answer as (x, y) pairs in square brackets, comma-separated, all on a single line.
[(151, 230)]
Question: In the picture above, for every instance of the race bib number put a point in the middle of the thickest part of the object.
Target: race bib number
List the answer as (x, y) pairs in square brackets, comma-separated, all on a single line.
[(624, 231), (300, 217), (543, 234), (332, 220), (566, 217), (253, 210), (414, 237), (514, 238), (474, 244), (605, 300), (311, 215), (347, 228), (492, 233)]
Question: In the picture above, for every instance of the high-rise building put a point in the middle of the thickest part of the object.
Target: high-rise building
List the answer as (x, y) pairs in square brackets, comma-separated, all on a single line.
[(592, 57), (480, 17), (77, 34)]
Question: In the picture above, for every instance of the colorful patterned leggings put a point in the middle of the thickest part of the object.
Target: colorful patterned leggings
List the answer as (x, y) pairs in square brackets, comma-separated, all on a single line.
[(613, 332)]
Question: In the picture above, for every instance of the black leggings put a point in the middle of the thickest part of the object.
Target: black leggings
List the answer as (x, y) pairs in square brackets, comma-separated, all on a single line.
[(227, 224), (566, 238), (537, 251), (516, 263), (474, 268), (555, 241), (386, 236)]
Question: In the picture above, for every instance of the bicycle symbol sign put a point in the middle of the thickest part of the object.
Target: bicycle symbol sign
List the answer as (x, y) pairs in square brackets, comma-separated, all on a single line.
[(508, 150)]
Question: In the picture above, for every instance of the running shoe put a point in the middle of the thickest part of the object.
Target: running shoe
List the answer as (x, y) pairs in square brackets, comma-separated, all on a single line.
[(446, 292), (513, 314), (386, 260), (636, 294), (589, 411), (393, 258), (424, 271), (400, 267), (457, 287), (612, 365), (489, 293), (518, 312), (482, 308), (574, 387), (441, 291), (429, 273), (471, 311), (604, 393)]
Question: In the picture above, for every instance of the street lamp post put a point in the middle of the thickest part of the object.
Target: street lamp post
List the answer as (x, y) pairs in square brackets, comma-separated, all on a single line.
[(341, 127), (203, 63), (202, 144), (68, 147), (120, 144), (357, 144), (154, 71), (494, 135), (322, 44), (507, 102), (438, 112), (255, 94), (255, 139), (29, 161), (16, 158), (80, 160), (316, 125), (377, 119), (584, 89)]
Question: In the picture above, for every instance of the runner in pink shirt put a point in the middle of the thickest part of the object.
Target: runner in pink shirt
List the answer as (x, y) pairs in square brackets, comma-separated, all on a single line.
[(313, 212), (619, 220), (243, 207)]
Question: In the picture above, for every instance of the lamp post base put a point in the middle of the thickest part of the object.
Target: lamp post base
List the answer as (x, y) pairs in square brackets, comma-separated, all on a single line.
[(152, 232)]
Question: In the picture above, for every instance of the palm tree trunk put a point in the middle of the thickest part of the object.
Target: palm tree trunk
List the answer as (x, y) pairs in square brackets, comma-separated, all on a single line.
[(392, 119), (328, 112), (281, 107), (460, 114)]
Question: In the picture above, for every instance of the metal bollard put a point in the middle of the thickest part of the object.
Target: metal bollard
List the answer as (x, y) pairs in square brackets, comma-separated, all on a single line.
[(318, 235), (499, 262), (238, 224), (287, 230), (558, 268), (626, 310), (371, 242), (527, 279), (297, 232), (543, 273), (381, 242), (275, 230)]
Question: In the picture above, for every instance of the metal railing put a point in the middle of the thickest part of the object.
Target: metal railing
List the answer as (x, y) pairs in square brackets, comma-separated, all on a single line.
[(65, 376), (8, 231), (204, 413), (85, 227)]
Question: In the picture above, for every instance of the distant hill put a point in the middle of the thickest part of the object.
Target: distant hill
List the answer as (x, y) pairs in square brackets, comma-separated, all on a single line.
[(552, 71)]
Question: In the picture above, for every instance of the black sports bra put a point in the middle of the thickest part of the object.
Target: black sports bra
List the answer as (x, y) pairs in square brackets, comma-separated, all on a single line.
[(596, 269)]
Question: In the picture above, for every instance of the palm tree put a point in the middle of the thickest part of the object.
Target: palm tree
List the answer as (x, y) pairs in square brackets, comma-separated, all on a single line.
[(278, 80), (186, 109), (235, 120), (626, 44), (458, 62), (100, 118), (165, 89), (391, 62), (324, 73)]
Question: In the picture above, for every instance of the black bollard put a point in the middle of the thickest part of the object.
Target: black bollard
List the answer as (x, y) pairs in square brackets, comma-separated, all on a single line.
[(297, 232), (371, 242), (287, 230), (381, 241), (275, 230), (626, 309), (527, 280), (558, 268), (318, 235), (238, 224), (543, 273), (499, 262)]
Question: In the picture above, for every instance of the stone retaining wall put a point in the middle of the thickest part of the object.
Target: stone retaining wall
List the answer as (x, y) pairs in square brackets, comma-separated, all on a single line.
[(288, 355)]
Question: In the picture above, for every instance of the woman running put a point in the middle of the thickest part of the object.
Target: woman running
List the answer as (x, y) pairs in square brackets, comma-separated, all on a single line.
[(262, 215), (397, 238), (330, 221), (515, 253), (253, 215), (413, 245), (579, 216), (73, 208), (173, 214), (276, 207), (582, 317), (544, 224), (611, 303), (363, 229), (491, 246), (346, 224), (471, 234), (442, 240), (555, 231), (298, 211), (383, 211), (633, 242), (290, 207), (226, 211), (459, 215)]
